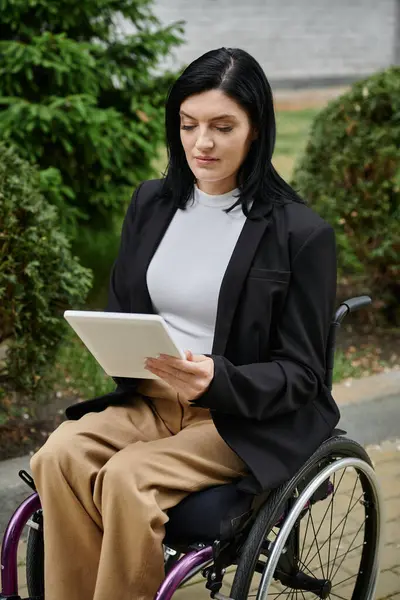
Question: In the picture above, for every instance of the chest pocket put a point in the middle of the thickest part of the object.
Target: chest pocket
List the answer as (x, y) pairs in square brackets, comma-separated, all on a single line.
[(270, 275), (267, 291), (260, 309)]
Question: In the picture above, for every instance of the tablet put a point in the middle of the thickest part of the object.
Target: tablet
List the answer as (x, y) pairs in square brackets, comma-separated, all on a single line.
[(121, 342)]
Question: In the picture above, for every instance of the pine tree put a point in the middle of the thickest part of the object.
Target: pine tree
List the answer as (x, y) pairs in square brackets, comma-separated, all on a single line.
[(83, 101)]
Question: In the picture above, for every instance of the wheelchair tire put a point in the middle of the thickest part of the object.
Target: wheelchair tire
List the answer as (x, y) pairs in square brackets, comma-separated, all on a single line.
[(269, 514), (35, 558)]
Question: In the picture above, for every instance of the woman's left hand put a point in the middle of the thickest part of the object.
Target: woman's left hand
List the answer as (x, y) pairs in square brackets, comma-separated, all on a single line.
[(190, 378)]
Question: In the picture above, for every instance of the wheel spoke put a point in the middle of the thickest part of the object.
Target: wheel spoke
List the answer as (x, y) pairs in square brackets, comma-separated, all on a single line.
[(330, 524), (344, 525), (336, 528), (319, 554), (273, 594), (352, 542), (348, 552), (337, 596), (305, 567), (305, 534), (347, 579), (323, 518), (279, 594)]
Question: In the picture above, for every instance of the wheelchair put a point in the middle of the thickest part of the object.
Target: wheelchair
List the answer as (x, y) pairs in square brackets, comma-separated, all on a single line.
[(318, 535)]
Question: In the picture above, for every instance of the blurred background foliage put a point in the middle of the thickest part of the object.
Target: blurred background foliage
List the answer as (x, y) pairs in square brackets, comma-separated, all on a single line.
[(82, 123), (349, 172), (86, 105), (39, 278)]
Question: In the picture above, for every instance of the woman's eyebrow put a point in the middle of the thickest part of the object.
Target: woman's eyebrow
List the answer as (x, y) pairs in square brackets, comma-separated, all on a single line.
[(220, 117)]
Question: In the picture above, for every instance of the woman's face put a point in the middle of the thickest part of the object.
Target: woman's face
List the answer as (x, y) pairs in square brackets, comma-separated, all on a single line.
[(216, 135)]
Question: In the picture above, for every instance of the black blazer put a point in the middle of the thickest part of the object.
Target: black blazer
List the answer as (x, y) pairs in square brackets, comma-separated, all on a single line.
[(267, 399)]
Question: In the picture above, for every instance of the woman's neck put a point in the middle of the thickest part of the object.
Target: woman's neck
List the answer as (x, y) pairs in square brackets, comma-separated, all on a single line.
[(217, 188)]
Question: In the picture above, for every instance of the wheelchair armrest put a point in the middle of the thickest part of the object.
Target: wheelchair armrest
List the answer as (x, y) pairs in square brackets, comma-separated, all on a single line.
[(354, 304), (336, 432)]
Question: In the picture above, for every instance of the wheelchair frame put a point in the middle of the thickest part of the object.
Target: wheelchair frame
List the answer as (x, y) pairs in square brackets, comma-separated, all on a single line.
[(202, 555)]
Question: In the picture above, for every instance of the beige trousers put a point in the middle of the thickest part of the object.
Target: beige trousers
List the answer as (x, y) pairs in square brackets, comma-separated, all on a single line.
[(106, 482)]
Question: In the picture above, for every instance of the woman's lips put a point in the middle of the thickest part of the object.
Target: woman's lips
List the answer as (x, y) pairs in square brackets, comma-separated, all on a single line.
[(206, 161)]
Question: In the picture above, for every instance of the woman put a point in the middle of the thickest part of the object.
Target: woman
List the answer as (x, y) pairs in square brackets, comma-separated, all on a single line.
[(244, 274)]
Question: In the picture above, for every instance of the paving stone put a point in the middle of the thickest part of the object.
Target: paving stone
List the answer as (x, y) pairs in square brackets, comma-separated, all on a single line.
[(392, 510), (390, 469), (388, 585), (392, 532), (390, 557)]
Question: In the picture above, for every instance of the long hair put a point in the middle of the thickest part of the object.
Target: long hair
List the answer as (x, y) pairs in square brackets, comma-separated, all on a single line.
[(239, 76)]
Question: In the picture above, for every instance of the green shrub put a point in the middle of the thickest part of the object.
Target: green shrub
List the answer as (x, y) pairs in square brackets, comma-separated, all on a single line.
[(80, 95), (350, 173), (39, 278)]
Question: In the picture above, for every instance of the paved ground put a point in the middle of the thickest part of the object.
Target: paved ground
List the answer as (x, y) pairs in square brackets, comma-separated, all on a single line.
[(370, 409)]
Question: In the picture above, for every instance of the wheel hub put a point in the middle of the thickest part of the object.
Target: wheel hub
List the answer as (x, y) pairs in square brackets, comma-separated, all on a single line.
[(301, 581), (325, 589)]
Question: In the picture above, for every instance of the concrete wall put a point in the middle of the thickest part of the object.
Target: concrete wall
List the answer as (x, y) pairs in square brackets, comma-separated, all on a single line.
[(297, 41)]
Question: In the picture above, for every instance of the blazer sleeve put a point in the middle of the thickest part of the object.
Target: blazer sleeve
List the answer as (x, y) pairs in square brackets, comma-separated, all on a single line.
[(295, 372), (118, 292)]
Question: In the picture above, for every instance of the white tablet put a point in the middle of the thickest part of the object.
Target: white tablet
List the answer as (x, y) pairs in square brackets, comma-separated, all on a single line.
[(120, 342)]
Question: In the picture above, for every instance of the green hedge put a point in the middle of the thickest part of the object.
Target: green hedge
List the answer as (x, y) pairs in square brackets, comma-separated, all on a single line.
[(350, 173), (39, 278)]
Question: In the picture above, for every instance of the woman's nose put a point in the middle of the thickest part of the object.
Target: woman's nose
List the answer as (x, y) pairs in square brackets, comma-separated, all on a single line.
[(204, 141)]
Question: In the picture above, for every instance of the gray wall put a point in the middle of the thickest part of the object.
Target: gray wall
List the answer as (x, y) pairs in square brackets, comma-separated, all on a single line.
[(297, 41)]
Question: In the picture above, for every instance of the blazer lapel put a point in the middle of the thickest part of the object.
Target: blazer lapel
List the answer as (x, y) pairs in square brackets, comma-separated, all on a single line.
[(233, 280)]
